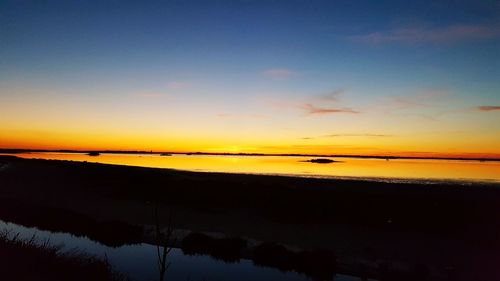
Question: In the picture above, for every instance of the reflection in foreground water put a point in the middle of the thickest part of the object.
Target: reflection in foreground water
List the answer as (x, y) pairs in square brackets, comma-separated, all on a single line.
[(346, 167), (139, 261)]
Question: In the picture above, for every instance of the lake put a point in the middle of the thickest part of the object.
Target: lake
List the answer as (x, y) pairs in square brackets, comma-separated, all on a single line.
[(381, 169)]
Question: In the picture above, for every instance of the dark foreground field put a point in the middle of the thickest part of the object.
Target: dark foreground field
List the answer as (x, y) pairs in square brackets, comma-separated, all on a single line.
[(388, 231)]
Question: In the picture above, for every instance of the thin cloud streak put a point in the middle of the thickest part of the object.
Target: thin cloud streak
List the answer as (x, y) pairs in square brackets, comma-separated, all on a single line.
[(448, 34), (488, 108), (315, 110)]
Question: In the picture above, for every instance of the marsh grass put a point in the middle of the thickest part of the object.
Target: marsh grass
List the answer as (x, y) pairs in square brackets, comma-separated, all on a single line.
[(33, 259)]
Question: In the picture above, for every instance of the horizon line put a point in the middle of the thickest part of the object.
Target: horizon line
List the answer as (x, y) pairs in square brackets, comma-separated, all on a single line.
[(366, 156)]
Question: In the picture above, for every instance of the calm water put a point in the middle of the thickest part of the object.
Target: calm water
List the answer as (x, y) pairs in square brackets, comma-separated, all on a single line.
[(139, 261), (348, 167)]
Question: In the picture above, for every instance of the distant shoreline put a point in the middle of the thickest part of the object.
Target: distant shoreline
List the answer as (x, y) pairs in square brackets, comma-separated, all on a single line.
[(386, 157)]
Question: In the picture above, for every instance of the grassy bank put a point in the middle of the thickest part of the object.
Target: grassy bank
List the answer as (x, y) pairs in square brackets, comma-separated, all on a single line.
[(34, 260)]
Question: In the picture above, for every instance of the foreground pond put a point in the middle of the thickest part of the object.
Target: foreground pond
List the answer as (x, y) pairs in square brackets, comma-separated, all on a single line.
[(139, 261)]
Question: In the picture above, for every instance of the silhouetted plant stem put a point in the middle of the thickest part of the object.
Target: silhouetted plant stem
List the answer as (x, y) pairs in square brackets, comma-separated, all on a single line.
[(162, 241)]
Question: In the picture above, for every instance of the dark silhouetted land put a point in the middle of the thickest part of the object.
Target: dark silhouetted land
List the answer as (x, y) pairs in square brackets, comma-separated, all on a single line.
[(321, 161), (433, 231)]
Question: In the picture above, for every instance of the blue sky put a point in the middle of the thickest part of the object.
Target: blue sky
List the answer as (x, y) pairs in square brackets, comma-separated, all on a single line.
[(281, 60)]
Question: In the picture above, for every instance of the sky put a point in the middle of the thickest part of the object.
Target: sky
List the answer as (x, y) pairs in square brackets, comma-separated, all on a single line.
[(326, 77)]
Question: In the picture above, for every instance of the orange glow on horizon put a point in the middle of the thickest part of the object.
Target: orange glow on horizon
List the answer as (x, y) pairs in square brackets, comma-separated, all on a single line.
[(186, 146), (80, 123)]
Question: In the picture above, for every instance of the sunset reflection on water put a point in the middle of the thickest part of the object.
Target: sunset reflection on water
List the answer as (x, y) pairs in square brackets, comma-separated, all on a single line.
[(347, 167)]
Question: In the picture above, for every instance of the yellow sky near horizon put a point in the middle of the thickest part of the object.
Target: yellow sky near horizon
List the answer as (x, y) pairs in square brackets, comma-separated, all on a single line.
[(51, 120), (349, 144), (80, 126)]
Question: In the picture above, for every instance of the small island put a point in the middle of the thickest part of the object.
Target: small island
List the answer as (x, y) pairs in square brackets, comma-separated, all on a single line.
[(321, 161), (93, 154)]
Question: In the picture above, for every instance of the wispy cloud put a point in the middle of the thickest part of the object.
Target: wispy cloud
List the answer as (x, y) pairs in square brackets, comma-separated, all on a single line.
[(446, 34), (316, 110), (488, 108), (177, 85), (279, 73), (324, 103), (329, 104)]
